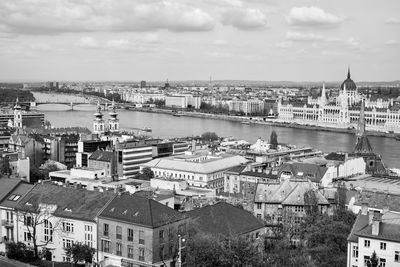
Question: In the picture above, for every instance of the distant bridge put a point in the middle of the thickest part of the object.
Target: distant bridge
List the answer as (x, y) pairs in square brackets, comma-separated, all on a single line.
[(71, 104)]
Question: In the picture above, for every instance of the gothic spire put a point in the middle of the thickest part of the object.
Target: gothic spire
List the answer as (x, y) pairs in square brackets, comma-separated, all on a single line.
[(348, 72), (361, 120)]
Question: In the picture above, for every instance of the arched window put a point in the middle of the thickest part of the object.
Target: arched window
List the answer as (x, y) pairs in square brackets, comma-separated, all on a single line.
[(48, 231)]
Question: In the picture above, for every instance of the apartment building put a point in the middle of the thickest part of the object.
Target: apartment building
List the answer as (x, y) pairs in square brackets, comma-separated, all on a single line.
[(136, 231), (63, 216), (377, 232)]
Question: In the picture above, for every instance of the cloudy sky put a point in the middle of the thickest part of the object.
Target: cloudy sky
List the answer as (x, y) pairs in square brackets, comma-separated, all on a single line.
[(192, 39)]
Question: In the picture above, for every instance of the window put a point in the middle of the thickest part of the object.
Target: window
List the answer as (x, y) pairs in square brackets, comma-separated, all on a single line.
[(67, 243), (397, 256), (28, 221), (383, 246), (366, 260), (89, 235), (105, 245), (141, 254), (258, 216), (48, 231), (27, 236), (105, 229), (119, 249), (258, 206), (119, 232), (141, 237), (161, 235), (382, 262), (130, 252), (130, 234), (367, 243), (355, 251), (68, 227), (162, 252)]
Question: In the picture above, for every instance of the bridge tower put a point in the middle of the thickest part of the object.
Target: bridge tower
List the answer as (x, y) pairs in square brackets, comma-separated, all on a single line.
[(72, 105), (17, 115), (113, 121), (98, 122)]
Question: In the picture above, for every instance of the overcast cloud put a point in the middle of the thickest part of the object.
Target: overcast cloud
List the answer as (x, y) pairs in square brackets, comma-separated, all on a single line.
[(184, 39)]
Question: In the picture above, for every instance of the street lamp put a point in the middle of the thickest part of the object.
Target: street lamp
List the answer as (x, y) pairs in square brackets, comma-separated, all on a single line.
[(180, 240)]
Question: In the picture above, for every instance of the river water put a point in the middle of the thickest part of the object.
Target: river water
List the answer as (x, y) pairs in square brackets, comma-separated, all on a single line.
[(164, 126)]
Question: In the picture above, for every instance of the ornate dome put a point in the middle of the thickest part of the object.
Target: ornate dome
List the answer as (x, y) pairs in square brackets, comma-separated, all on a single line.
[(350, 85)]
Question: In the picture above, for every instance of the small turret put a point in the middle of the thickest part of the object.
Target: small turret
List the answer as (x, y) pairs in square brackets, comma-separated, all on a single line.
[(113, 121)]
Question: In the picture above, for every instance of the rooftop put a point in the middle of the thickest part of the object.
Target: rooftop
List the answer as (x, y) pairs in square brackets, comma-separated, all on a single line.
[(101, 155), (13, 198), (207, 166), (71, 203), (225, 219), (7, 185), (140, 211)]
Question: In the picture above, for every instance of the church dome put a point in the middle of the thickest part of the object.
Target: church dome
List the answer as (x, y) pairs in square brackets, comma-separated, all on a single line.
[(350, 85)]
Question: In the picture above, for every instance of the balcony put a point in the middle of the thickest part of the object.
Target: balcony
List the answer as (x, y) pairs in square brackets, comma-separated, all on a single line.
[(7, 224)]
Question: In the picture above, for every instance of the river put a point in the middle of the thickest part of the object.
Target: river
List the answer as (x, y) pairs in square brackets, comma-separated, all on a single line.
[(165, 126)]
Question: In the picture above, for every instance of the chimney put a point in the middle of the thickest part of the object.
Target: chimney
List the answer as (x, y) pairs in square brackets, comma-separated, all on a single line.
[(370, 217), (376, 220), (364, 208)]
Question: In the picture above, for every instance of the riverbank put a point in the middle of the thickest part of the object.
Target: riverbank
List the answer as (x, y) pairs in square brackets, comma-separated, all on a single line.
[(250, 121)]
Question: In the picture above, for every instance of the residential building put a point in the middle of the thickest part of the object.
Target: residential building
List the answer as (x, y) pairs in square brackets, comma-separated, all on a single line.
[(28, 147), (63, 216), (226, 220), (87, 147), (137, 231), (106, 160), (9, 199), (374, 232), (284, 204)]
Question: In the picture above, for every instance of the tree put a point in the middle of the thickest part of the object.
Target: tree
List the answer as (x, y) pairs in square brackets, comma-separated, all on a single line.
[(373, 260), (80, 253), (146, 174), (209, 136), (19, 251), (34, 216), (273, 140)]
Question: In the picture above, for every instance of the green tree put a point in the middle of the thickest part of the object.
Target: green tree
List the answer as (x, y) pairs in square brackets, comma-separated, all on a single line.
[(80, 253), (145, 174), (373, 260), (209, 136)]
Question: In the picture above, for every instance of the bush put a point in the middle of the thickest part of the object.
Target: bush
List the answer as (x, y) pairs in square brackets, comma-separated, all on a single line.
[(19, 251)]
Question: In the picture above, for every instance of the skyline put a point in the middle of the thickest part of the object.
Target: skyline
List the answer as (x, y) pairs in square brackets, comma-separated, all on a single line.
[(183, 41)]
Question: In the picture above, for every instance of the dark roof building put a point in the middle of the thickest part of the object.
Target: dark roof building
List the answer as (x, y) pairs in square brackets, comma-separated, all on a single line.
[(140, 211), (225, 219), (72, 203)]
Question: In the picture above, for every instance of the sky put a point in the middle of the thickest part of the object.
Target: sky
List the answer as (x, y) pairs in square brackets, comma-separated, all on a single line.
[(155, 40)]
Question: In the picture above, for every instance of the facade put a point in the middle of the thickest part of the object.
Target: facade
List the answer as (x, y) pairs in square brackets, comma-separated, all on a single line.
[(248, 107), (284, 204), (132, 154), (105, 160), (198, 168), (8, 215), (240, 180), (374, 232), (343, 112), (182, 101), (137, 231), (66, 216), (28, 147), (86, 148)]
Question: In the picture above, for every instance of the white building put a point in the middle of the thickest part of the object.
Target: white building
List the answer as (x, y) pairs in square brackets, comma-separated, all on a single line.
[(199, 169), (67, 216), (374, 232), (342, 112), (183, 101)]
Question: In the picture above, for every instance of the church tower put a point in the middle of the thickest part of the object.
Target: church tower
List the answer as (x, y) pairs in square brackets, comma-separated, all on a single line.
[(17, 115), (98, 122), (113, 121)]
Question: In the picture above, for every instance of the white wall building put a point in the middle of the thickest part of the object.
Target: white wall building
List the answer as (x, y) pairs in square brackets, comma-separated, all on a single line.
[(199, 169), (374, 232)]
